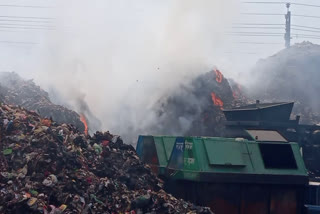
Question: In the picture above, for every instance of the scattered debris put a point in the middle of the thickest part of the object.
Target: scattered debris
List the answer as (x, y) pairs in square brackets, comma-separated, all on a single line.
[(48, 167)]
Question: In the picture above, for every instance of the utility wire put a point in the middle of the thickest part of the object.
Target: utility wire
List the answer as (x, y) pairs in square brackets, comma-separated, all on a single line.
[(260, 33), (26, 17), (257, 27), (315, 31), (299, 4), (308, 5), (259, 43), (306, 16), (263, 2), (306, 37), (278, 14), (302, 26), (25, 25), (24, 6), (263, 14), (257, 24), (297, 34), (33, 21), (256, 35), (26, 28)]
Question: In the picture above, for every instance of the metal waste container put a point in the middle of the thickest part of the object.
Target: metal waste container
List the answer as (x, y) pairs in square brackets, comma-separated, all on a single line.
[(236, 176)]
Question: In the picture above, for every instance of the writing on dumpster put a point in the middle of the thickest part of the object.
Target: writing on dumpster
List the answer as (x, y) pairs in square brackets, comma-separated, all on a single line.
[(189, 161), (188, 145), (179, 146)]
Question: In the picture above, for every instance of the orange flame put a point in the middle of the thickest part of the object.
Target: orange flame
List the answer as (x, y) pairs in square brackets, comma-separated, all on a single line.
[(237, 92), (219, 76), (84, 121), (235, 95), (216, 100)]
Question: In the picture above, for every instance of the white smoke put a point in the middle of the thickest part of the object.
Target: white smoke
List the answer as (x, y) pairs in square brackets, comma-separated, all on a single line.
[(120, 56)]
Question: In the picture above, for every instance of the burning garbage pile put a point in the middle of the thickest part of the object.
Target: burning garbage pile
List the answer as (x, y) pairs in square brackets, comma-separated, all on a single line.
[(196, 108), (290, 75), (17, 91), (47, 167)]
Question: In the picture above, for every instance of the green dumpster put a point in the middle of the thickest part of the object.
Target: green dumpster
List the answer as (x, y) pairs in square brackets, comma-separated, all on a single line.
[(155, 151), (209, 159), (230, 175)]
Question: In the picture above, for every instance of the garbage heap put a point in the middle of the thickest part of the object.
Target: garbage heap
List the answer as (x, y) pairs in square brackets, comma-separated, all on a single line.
[(292, 74), (17, 91), (195, 109), (46, 168)]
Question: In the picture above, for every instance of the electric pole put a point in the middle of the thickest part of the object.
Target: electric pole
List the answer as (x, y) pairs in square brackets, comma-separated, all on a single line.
[(287, 36)]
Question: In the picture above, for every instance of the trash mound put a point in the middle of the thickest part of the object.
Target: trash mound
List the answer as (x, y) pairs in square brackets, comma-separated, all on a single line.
[(195, 109), (16, 91), (290, 75), (46, 167)]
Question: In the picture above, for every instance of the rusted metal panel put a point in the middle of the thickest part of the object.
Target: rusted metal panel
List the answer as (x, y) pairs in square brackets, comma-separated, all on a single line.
[(222, 198), (255, 200), (229, 198), (283, 201)]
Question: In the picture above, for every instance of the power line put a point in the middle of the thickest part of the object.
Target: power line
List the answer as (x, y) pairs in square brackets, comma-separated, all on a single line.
[(307, 37), (263, 14), (288, 26), (298, 4), (257, 27), (26, 17), (26, 28), (256, 35), (33, 21), (306, 27), (308, 5), (278, 14), (24, 6), (262, 2), (25, 25), (297, 34), (257, 24), (260, 33), (315, 31), (259, 43), (307, 16)]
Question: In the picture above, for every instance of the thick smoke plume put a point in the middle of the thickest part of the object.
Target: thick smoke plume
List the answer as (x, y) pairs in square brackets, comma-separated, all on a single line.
[(290, 75), (120, 56)]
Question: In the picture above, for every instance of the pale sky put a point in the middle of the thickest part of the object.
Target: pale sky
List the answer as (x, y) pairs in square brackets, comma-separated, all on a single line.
[(17, 56), (256, 51)]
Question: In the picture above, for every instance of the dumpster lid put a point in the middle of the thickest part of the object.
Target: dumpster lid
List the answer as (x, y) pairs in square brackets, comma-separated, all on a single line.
[(266, 135), (257, 106), (226, 154)]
